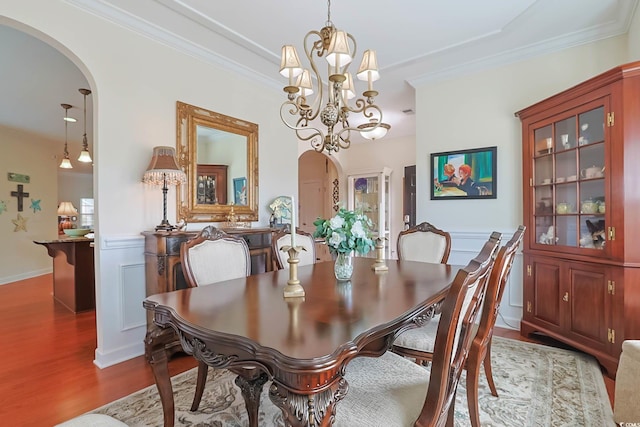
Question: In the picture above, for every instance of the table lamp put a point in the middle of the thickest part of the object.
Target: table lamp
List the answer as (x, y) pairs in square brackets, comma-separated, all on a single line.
[(163, 170), (65, 211)]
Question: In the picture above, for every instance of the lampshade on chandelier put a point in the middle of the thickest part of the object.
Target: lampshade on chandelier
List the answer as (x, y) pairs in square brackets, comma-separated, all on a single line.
[(85, 157), (332, 108), (162, 170), (66, 163)]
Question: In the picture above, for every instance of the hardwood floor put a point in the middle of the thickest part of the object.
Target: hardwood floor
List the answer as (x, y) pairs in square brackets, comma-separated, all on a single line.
[(47, 371)]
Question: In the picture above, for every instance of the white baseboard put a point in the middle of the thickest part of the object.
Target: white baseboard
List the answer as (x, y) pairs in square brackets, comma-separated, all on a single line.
[(23, 276), (104, 360)]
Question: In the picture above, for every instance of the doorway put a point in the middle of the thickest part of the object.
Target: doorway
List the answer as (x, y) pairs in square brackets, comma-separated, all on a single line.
[(409, 197), (317, 192)]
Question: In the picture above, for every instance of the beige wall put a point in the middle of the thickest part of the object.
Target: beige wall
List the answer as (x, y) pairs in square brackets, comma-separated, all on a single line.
[(633, 38), (27, 154), (478, 110)]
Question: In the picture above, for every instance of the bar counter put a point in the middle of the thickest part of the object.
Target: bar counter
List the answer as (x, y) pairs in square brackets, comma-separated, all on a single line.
[(73, 271)]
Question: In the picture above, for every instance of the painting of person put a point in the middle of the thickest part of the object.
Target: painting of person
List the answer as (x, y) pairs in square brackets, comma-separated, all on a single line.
[(450, 172), (465, 182)]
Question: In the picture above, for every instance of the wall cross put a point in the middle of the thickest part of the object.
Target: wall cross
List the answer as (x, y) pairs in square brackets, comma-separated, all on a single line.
[(20, 195)]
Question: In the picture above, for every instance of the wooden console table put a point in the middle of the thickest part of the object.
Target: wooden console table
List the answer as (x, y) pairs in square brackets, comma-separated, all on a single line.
[(163, 269), (73, 272)]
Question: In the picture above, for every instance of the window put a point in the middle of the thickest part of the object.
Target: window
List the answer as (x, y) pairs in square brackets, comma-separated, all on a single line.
[(86, 213)]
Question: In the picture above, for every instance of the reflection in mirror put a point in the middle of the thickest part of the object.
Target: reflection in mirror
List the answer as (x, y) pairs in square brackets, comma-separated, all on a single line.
[(219, 154)]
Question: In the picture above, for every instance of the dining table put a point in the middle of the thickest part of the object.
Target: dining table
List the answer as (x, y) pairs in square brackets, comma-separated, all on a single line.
[(302, 345)]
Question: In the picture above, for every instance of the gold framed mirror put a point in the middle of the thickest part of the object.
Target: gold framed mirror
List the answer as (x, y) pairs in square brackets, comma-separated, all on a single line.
[(219, 154)]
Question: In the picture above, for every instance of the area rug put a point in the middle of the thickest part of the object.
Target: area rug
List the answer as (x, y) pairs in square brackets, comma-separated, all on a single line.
[(537, 386)]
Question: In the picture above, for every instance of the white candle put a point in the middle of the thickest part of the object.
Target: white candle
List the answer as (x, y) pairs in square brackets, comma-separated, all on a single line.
[(293, 222)]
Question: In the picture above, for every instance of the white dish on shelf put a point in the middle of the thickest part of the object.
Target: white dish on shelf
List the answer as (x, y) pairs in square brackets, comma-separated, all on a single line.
[(560, 179), (571, 178)]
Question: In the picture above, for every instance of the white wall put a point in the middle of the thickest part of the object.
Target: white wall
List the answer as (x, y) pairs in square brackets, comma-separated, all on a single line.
[(136, 83), (633, 38), (478, 111), (33, 156)]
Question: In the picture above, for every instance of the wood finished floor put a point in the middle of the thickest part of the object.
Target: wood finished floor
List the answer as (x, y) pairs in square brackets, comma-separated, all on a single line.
[(47, 373)]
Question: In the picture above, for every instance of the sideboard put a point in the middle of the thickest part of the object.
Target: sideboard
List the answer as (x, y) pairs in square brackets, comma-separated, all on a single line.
[(163, 269)]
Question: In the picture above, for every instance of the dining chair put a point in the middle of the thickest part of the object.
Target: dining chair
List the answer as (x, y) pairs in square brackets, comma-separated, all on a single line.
[(212, 256), (391, 390), (425, 243), (419, 343), (283, 238)]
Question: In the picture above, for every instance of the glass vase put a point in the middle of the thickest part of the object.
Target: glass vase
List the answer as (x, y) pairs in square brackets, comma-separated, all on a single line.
[(343, 268)]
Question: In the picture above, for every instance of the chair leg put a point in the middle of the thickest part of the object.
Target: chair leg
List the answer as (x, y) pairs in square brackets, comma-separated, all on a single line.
[(487, 370), (203, 369), (473, 374), (451, 413)]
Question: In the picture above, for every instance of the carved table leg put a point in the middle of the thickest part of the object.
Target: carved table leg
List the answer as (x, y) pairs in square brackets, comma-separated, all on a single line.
[(251, 389), (157, 358), (313, 410)]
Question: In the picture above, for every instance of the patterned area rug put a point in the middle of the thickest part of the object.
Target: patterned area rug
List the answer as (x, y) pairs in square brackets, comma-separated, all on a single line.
[(537, 386)]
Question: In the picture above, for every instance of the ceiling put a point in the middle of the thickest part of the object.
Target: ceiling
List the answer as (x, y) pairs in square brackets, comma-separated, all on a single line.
[(424, 40)]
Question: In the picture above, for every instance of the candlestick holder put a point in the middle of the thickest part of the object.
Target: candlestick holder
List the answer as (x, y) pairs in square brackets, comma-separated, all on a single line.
[(380, 266), (294, 334), (293, 288)]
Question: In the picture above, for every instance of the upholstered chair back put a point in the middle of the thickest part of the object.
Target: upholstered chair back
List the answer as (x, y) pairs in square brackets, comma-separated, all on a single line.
[(460, 311), (304, 239), (424, 243), (213, 256)]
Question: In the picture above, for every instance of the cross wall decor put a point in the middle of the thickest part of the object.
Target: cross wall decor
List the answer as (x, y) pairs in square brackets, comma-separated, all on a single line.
[(20, 195)]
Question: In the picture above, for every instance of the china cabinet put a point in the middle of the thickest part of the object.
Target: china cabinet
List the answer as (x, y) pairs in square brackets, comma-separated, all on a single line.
[(369, 193), (580, 196)]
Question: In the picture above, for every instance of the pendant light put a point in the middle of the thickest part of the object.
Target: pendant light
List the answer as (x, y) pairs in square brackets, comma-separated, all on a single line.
[(85, 157), (66, 163)]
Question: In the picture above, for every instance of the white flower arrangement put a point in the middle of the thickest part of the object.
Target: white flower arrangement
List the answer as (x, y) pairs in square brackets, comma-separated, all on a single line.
[(347, 231)]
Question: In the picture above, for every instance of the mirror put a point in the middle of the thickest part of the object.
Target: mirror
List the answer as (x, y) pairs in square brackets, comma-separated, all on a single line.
[(219, 154)]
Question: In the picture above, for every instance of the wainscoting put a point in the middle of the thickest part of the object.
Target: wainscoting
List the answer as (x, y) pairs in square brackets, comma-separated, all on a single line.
[(466, 245)]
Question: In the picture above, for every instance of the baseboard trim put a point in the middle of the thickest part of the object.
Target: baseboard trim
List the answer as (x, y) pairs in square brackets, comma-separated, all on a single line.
[(24, 276), (104, 360)]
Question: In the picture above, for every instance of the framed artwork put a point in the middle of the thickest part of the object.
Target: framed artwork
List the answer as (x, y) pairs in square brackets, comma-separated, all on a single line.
[(240, 191), (464, 174)]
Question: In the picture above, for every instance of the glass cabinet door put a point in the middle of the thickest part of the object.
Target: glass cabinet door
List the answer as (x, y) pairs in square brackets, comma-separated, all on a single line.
[(569, 180), (369, 194)]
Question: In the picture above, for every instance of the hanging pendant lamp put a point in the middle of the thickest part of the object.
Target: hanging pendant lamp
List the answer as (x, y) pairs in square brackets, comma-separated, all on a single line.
[(85, 157), (66, 163)]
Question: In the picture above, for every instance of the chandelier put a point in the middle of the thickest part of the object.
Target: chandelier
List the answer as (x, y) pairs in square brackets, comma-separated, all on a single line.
[(333, 108)]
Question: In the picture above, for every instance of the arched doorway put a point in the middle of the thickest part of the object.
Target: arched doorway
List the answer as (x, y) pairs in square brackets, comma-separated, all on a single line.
[(319, 191)]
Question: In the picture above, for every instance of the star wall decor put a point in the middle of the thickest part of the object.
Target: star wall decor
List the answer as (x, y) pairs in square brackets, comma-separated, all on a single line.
[(35, 205), (3, 206), (20, 223)]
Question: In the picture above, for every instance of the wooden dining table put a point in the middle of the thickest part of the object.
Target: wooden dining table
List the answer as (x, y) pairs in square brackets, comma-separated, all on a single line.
[(302, 345)]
